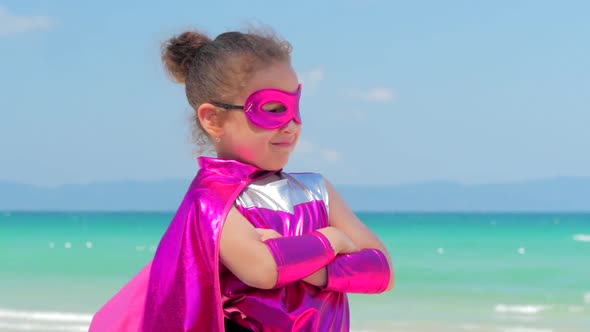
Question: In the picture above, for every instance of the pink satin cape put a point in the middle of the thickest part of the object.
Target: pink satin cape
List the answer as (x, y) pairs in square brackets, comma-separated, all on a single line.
[(179, 290)]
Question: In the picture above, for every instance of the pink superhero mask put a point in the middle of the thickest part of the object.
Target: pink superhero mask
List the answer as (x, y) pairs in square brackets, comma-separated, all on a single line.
[(269, 108)]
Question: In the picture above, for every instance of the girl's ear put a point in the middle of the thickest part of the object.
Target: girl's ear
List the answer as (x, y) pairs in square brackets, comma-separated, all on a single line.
[(210, 119)]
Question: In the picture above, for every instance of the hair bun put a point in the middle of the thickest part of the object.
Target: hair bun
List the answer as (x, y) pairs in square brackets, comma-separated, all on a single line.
[(179, 51)]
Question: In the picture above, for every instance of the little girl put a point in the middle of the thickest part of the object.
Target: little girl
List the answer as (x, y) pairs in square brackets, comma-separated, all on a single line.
[(251, 248)]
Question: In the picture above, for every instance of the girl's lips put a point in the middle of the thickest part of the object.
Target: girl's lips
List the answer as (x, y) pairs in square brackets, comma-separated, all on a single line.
[(284, 144), (284, 140)]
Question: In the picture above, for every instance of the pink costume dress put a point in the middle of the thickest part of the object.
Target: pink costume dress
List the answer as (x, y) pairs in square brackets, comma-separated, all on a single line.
[(295, 204), (186, 289)]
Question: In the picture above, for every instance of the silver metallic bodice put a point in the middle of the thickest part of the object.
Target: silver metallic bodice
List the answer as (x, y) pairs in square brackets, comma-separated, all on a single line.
[(283, 194)]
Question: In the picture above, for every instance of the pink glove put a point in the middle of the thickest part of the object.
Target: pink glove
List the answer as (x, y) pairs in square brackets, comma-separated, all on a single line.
[(365, 271), (299, 256)]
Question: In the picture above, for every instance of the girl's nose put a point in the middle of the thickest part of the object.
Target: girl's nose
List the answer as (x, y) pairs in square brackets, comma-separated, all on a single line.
[(290, 127)]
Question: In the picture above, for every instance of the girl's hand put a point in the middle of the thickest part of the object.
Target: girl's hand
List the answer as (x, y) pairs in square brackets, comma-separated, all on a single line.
[(267, 234), (342, 217), (341, 243), (348, 246)]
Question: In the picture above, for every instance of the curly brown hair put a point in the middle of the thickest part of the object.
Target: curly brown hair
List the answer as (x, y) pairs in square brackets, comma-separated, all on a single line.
[(219, 69)]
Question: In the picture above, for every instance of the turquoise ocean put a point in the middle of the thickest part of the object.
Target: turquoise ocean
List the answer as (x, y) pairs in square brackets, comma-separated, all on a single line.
[(508, 272)]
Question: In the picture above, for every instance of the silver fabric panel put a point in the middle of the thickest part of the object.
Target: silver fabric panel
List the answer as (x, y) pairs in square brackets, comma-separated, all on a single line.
[(315, 183), (285, 193)]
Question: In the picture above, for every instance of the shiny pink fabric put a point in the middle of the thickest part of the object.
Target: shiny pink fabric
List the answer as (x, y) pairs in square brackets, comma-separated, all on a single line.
[(183, 292), (272, 120), (299, 256), (298, 306), (366, 271), (124, 311)]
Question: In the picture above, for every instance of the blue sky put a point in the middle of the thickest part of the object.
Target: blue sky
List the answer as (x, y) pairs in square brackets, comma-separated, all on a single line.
[(395, 92)]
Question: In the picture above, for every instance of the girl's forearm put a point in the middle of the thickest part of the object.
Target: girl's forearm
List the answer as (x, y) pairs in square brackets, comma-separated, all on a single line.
[(318, 278), (292, 265), (298, 257), (366, 271)]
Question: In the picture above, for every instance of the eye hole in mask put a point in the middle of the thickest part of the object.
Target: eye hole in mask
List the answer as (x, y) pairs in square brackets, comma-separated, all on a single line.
[(274, 107)]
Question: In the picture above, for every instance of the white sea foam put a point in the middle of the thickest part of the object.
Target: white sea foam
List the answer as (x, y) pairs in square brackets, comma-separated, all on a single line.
[(525, 329), (41, 327), (582, 237), (527, 309), (45, 316), (587, 297), (471, 327)]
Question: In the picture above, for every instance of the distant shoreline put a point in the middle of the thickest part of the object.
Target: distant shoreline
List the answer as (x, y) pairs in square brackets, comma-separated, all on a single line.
[(559, 195), (122, 212)]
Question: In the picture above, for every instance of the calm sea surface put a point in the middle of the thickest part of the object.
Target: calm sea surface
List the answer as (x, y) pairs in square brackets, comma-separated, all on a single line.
[(455, 271)]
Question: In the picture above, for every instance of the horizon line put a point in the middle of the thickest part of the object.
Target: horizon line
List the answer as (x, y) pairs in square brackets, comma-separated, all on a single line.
[(459, 182)]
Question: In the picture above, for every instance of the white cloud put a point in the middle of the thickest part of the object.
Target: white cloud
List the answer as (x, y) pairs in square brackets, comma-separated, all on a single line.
[(376, 95), (331, 155), (11, 24), (313, 150), (305, 147), (311, 79), (380, 95)]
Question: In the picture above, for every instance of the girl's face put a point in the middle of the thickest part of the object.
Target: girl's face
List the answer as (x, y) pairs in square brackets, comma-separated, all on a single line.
[(267, 149)]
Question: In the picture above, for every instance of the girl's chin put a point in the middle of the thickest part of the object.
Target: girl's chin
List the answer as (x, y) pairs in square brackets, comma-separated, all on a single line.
[(273, 165)]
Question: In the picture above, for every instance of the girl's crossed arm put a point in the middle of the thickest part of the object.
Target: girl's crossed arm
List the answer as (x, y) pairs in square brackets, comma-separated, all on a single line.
[(365, 271), (276, 261)]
